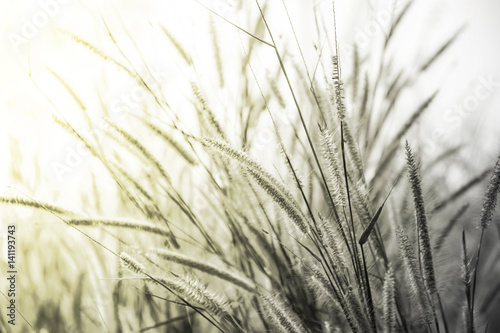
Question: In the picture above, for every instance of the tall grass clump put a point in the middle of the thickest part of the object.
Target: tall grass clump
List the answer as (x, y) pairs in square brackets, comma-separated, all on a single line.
[(316, 229)]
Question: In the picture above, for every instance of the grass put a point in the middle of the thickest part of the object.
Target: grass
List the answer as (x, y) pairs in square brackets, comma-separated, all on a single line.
[(319, 231)]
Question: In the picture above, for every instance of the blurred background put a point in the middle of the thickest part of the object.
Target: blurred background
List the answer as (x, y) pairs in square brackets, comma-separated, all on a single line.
[(38, 57)]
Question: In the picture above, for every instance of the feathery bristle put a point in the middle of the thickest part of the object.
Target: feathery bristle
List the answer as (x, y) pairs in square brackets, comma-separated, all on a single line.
[(490, 197), (416, 284), (283, 318), (280, 194), (390, 323), (131, 264), (427, 262), (226, 275)]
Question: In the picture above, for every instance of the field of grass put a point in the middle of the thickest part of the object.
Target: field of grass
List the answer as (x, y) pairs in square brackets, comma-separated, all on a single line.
[(253, 173)]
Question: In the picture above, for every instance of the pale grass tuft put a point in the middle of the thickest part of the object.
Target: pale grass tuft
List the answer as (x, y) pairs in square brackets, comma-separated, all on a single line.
[(35, 204), (177, 46), (99, 52), (490, 198), (276, 189), (196, 291), (416, 284), (143, 150), (207, 113), (427, 263), (322, 288), (333, 162), (172, 142), (131, 264), (141, 226), (389, 303), (330, 239), (283, 318), (210, 269), (356, 311)]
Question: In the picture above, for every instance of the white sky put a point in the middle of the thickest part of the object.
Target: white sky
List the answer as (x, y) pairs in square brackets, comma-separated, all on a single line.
[(25, 114)]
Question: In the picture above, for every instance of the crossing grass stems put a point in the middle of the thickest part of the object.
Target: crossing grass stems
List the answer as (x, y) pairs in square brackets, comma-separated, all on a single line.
[(278, 251)]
